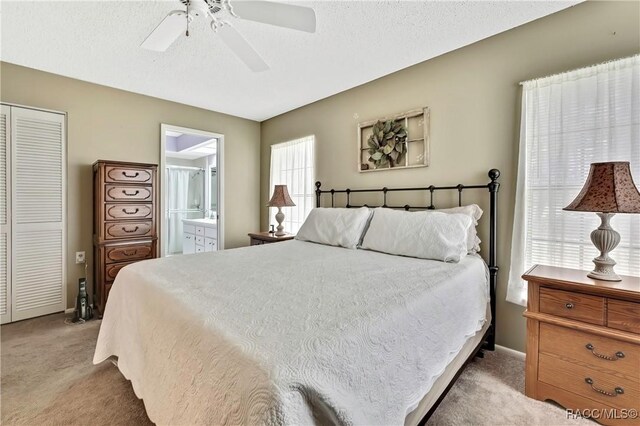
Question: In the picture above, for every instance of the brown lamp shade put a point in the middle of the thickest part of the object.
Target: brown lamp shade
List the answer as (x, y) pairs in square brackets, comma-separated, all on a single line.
[(609, 189), (280, 197)]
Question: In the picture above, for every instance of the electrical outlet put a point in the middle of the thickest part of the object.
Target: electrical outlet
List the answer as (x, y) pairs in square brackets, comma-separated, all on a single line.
[(80, 257)]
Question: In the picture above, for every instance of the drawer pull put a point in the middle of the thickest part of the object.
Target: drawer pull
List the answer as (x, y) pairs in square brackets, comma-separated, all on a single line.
[(129, 231), (568, 305), (135, 175), (618, 355), (125, 211), (129, 194), (617, 391), (130, 253)]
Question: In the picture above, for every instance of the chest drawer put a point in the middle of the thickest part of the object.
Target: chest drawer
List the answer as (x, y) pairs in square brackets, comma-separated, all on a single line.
[(623, 315), (603, 353), (115, 230), (595, 384), (576, 306), (128, 211), (128, 174), (129, 252), (111, 271), (128, 193)]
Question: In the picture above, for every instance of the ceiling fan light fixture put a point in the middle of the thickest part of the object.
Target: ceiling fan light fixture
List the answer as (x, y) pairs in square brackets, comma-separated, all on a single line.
[(278, 14)]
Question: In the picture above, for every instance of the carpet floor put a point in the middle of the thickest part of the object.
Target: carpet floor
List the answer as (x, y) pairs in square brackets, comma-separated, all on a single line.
[(47, 378)]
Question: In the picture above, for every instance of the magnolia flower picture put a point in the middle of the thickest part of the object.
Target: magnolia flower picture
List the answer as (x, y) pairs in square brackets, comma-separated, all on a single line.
[(397, 142)]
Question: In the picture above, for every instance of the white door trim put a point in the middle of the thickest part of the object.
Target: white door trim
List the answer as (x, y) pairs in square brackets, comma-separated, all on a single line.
[(220, 179), (6, 228)]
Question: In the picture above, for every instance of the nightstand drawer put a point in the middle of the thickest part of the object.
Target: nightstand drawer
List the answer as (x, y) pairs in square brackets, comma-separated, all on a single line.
[(623, 315), (597, 385), (602, 353), (575, 306)]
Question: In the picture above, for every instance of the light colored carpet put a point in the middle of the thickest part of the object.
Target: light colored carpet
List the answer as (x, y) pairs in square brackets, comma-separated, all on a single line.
[(48, 378)]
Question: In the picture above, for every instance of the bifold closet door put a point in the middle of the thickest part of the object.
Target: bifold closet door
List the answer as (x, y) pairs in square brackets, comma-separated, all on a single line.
[(38, 164), (5, 214)]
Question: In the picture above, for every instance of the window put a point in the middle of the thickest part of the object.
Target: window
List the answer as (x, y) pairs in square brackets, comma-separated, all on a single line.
[(292, 164), (569, 121)]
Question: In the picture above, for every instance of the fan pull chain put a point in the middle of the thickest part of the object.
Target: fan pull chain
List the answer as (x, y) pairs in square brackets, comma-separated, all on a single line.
[(187, 33)]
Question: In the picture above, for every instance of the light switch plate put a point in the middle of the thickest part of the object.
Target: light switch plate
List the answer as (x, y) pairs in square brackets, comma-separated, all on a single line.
[(80, 257)]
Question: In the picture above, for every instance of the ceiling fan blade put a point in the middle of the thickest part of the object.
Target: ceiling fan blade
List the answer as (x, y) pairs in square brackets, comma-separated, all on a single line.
[(282, 15), (241, 47), (166, 32)]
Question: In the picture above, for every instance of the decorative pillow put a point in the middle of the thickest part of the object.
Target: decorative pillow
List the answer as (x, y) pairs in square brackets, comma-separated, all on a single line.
[(335, 226), (473, 210), (426, 235)]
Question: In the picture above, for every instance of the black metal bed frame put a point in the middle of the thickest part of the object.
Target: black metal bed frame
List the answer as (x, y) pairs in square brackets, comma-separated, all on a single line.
[(493, 186)]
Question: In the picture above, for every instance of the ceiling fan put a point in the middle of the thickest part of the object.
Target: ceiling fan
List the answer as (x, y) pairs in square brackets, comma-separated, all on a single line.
[(217, 11)]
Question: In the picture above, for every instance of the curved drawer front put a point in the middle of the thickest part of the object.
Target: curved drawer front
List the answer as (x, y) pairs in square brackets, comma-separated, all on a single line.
[(597, 351), (128, 211), (128, 229), (128, 193), (128, 252), (120, 174), (111, 271), (596, 384)]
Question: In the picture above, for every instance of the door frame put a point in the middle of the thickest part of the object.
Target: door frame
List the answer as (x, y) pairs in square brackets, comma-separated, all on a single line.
[(164, 127), (6, 228)]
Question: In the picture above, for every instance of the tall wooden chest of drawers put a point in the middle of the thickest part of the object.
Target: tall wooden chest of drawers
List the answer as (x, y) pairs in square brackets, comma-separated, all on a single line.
[(125, 213), (583, 343)]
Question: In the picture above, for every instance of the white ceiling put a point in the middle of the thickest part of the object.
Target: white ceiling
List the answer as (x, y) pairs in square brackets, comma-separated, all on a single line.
[(355, 42)]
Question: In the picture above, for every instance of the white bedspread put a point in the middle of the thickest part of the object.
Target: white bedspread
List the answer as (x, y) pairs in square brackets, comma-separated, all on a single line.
[(289, 333)]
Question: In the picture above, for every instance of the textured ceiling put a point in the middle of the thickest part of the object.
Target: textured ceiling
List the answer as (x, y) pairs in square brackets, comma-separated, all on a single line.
[(355, 42)]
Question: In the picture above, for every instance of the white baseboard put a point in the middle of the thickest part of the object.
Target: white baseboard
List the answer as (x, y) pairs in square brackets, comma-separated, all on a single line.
[(511, 352)]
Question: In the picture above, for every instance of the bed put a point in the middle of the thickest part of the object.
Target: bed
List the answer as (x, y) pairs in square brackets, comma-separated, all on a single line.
[(299, 333)]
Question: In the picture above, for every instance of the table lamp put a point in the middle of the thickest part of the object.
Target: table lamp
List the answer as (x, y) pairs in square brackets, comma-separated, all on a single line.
[(279, 199), (609, 189)]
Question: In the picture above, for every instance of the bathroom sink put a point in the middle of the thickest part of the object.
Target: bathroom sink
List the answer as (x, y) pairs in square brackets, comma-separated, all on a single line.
[(211, 223)]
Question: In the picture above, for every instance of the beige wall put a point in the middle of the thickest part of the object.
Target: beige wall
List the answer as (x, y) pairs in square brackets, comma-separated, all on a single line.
[(110, 124), (473, 94)]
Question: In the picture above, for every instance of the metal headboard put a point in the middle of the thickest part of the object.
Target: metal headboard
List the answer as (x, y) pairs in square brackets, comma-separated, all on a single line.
[(493, 188)]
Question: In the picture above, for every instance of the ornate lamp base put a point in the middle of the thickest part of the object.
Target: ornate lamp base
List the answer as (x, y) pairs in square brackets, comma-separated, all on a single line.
[(605, 239), (280, 229)]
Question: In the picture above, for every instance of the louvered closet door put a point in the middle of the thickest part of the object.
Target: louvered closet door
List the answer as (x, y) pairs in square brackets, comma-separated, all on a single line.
[(5, 214), (38, 225)]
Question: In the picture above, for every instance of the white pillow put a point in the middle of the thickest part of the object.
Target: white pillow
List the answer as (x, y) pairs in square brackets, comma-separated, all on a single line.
[(335, 226), (473, 210), (426, 235)]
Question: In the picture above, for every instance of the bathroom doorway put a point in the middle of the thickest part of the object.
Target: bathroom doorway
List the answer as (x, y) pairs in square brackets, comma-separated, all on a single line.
[(191, 171)]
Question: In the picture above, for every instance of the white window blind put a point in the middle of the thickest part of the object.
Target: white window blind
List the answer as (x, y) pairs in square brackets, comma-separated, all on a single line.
[(569, 121), (292, 164)]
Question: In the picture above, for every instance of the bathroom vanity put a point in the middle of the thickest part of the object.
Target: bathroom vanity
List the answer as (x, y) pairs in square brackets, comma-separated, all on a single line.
[(199, 235)]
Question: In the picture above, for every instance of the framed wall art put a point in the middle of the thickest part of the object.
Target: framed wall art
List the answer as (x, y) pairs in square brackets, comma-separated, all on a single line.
[(400, 141)]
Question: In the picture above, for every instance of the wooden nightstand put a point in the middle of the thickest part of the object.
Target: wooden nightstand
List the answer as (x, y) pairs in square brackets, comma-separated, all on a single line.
[(583, 342), (258, 238)]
